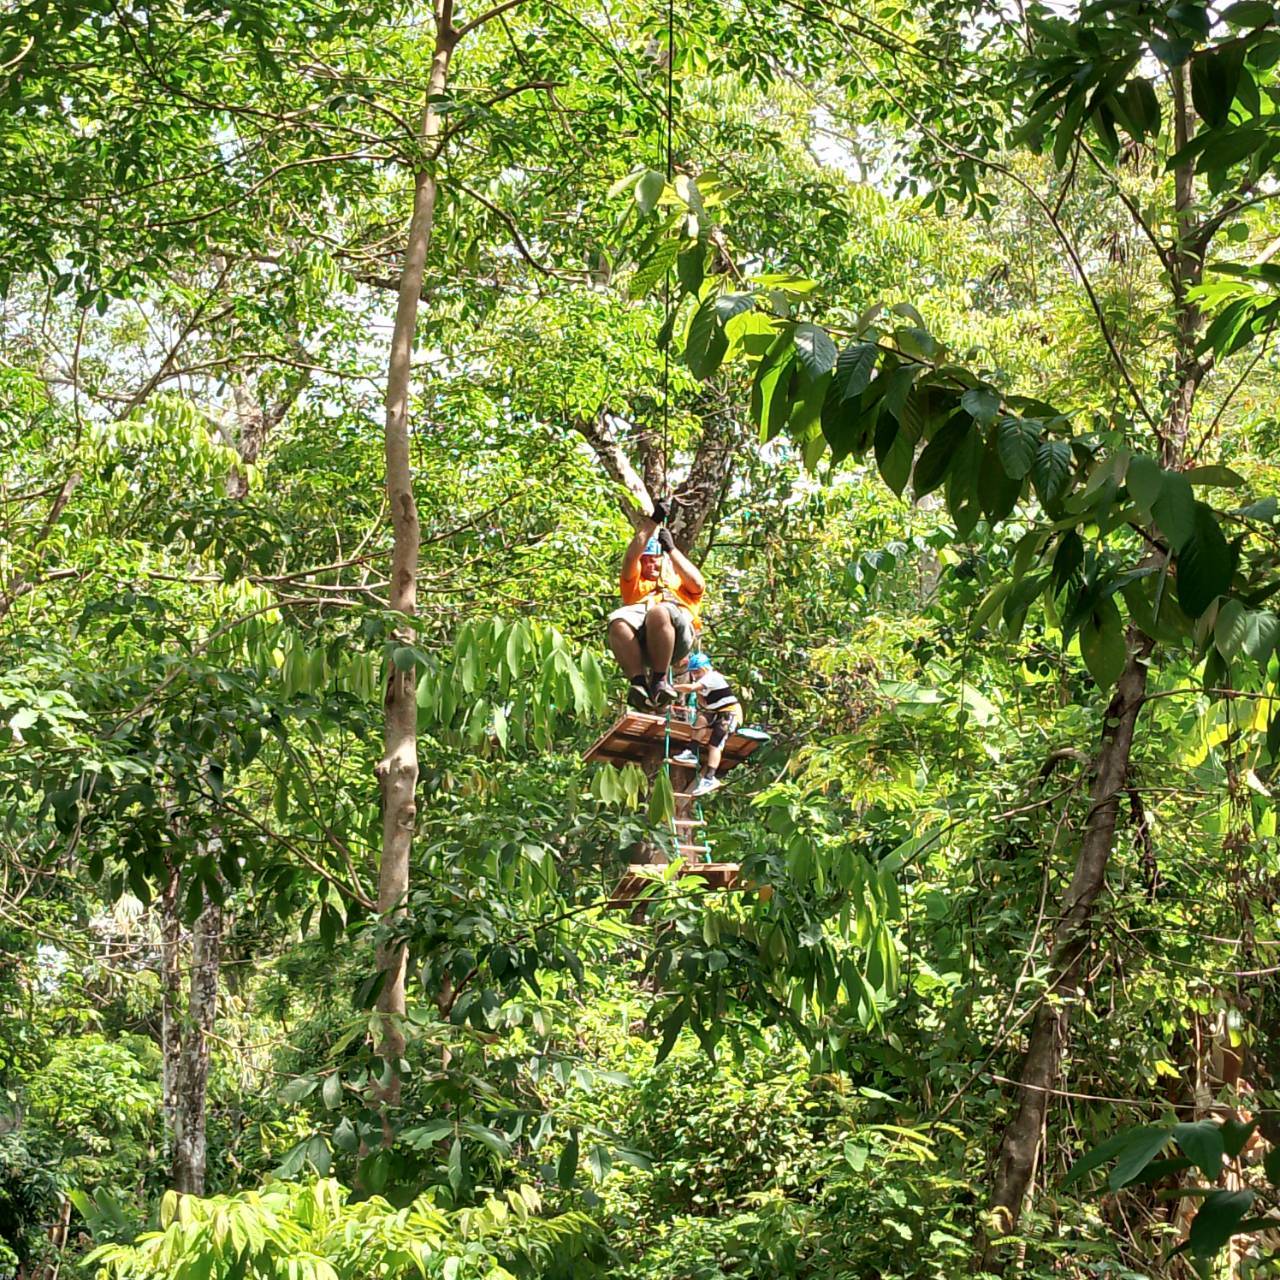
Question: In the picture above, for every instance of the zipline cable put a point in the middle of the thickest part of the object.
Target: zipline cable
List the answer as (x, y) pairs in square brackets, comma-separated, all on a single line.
[(666, 288)]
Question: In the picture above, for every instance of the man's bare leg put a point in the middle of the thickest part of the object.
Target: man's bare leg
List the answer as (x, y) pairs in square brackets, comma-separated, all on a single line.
[(660, 638), (626, 648)]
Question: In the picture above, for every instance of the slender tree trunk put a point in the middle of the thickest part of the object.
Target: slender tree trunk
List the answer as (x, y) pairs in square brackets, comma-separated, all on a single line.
[(189, 1143), (398, 768), (1019, 1144), (170, 1007)]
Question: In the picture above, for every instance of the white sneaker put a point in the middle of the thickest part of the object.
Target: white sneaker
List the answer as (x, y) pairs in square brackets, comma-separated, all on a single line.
[(685, 757), (705, 786)]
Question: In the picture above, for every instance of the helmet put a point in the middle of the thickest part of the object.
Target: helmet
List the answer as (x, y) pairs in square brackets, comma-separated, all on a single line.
[(653, 547), (699, 662)]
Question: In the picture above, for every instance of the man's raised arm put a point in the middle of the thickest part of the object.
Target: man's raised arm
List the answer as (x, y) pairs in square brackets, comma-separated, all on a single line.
[(631, 557), (689, 572)]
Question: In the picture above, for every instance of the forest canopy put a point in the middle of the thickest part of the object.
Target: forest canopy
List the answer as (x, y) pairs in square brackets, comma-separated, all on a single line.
[(401, 407)]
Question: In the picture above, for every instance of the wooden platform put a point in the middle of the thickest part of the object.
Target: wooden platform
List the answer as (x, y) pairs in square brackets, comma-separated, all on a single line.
[(639, 738), (647, 875)]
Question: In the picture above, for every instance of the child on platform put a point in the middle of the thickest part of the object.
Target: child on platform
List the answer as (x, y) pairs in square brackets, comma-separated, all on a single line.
[(723, 712)]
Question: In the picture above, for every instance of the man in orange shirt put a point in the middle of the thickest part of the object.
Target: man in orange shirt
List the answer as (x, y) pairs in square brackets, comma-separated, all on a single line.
[(661, 596)]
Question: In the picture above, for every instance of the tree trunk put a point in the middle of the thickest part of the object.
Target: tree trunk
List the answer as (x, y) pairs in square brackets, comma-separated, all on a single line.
[(1016, 1156), (170, 1007), (398, 768), (1038, 1077), (189, 1144)]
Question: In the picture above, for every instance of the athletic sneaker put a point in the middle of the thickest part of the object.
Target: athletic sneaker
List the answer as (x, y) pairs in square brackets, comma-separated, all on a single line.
[(662, 693), (686, 757), (638, 694), (706, 785)]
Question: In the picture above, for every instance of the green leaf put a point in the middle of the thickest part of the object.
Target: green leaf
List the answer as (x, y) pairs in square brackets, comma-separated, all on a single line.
[(298, 1089), (1102, 643), (846, 425), (933, 463), (1145, 479), (1215, 73), (963, 500), (691, 268), (1218, 477), (1262, 631), (1140, 1147), (854, 367), (599, 1161), (895, 448), (1143, 106), (662, 801), (1205, 564), (808, 405), (1230, 628), (1235, 1133), (653, 269), (1016, 443), (670, 1031), (1249, 13), (331, 1093), (345, 1137), (998, 492), (982, 403), (491, 1138), (649, 190), (1051, 471), (455, 1167), (567, 1165), (1202, 1141), (1174, 509), (769, 405), (638, 1159), (705, 347), (815, 351), (1217, 1220)]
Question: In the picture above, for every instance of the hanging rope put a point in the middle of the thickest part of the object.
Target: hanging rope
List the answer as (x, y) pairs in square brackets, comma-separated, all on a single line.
[(666, 288)]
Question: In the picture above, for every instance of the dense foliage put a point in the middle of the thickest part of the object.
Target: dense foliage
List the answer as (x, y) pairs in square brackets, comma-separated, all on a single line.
[(949, 327)]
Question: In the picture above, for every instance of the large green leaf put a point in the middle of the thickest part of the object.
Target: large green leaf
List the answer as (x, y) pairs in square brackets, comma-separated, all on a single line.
[(1202, 1141), (707, 342), (1262, 630), (1016, 443), (1102, 643), (769, 393), (982, 403), (846, 424), (653, 269), (691, 267), (815, 352), (1215, 73), (1174, 509), (1142, 1145), (997, 491), (854, 367), (811, 395), (932, 465), (1205, 563), (963, 490), (1230, 628), (1145, 479), (649, 190), (1051, 471), (1217, 1220), (895, 448)]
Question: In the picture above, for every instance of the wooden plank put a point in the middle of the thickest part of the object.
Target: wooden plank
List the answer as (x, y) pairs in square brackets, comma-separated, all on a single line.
[(642, 875), (639, 738)]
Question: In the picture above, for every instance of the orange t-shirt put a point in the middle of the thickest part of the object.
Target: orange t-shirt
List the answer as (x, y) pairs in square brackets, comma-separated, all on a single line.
[(637, 589)]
